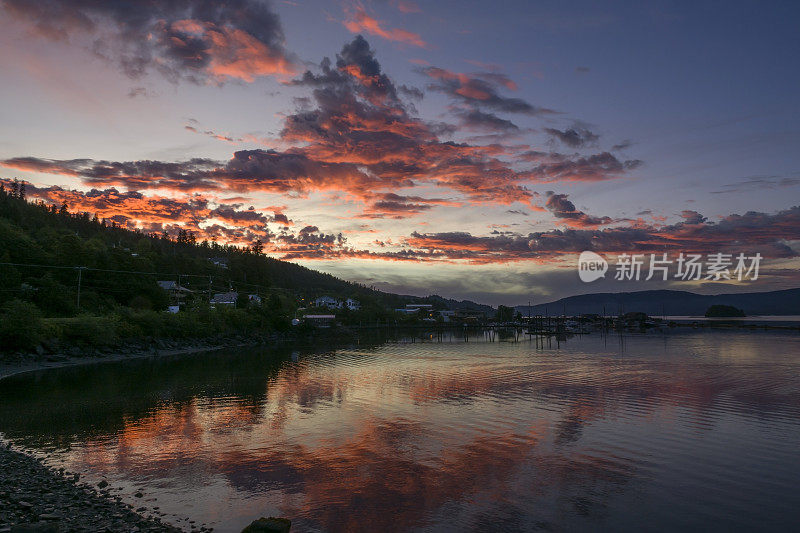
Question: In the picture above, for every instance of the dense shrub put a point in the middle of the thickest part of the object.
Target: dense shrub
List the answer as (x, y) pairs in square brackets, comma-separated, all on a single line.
[(22, 326), (724, 311), (87, 330)]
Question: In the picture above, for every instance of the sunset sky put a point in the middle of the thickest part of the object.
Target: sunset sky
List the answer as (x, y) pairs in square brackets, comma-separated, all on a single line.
[(468, 149)]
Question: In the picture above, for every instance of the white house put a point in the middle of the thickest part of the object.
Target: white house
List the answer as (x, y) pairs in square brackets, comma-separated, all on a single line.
[(447, 316), (167, 285), (353, 305), (425, 310), (221, 262), (225, 298), (254, 299), (177, 293), (171, 286), (327, 301)]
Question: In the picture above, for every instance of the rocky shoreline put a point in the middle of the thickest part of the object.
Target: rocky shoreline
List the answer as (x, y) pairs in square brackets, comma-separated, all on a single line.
[(19, 362), (35, 498)]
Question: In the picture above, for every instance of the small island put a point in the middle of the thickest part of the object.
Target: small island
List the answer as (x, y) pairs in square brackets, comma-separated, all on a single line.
[(724, 311)]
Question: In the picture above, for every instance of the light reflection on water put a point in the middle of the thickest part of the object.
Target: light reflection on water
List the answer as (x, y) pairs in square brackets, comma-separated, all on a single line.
[(696, 430)]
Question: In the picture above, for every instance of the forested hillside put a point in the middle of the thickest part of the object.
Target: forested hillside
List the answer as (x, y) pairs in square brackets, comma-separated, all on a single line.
[(76, 277), (41, 248)]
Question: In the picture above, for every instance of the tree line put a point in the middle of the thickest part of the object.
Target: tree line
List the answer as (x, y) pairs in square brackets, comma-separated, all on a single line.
[(41, 246)]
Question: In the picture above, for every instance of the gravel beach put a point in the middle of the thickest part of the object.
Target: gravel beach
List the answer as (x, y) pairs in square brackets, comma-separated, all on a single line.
[(36, 498)]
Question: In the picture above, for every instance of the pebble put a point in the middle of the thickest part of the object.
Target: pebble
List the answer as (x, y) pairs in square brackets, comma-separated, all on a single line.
[(35, 498)]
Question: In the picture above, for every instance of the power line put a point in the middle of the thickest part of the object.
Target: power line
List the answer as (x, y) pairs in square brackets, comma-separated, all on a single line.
[(139, 272)]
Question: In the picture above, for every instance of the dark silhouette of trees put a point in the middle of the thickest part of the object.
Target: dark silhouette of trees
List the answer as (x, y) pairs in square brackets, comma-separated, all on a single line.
[(45, 234), (505, 314)]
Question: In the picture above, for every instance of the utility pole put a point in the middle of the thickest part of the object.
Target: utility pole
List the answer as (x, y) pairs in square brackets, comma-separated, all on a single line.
[(80, 271)]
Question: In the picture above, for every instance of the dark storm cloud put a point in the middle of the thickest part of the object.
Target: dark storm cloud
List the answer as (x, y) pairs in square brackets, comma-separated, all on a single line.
[(748, 233), (559, 205), (562, 208), (356, 69), (458, 245), (257, 169), (772, 235), (480, 90), (356, 135), (280, 218), (309, 229), (250, 217), (621, 146), (185, 175), (391, 205), (754, 183), (411, 92), (692, 217), (478, 120), (553, 166), (182, 39), (286, 171), (360, 118), (574, 137)]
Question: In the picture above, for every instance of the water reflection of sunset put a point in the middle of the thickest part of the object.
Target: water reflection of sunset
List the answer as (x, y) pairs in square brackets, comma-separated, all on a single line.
[(437, 435)]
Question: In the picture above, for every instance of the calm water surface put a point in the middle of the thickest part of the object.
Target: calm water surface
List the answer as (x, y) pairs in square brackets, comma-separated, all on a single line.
[(685, 431)]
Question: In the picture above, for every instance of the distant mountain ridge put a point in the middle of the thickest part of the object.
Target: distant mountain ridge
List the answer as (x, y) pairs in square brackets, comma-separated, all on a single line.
[(669, 302)]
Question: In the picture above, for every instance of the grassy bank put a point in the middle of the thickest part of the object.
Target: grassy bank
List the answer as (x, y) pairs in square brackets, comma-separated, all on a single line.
[(23, 327)]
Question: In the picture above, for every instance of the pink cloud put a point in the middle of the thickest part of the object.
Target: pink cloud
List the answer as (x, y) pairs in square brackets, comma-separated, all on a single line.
[(359, 21)]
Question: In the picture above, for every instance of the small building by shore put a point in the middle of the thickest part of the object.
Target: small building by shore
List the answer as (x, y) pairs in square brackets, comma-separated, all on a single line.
[(225, 298), (321, 321)]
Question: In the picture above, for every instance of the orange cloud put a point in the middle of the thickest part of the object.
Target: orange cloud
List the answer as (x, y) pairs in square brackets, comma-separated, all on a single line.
[(359, 21), (407, 6), (235, 53), (237, 39)]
